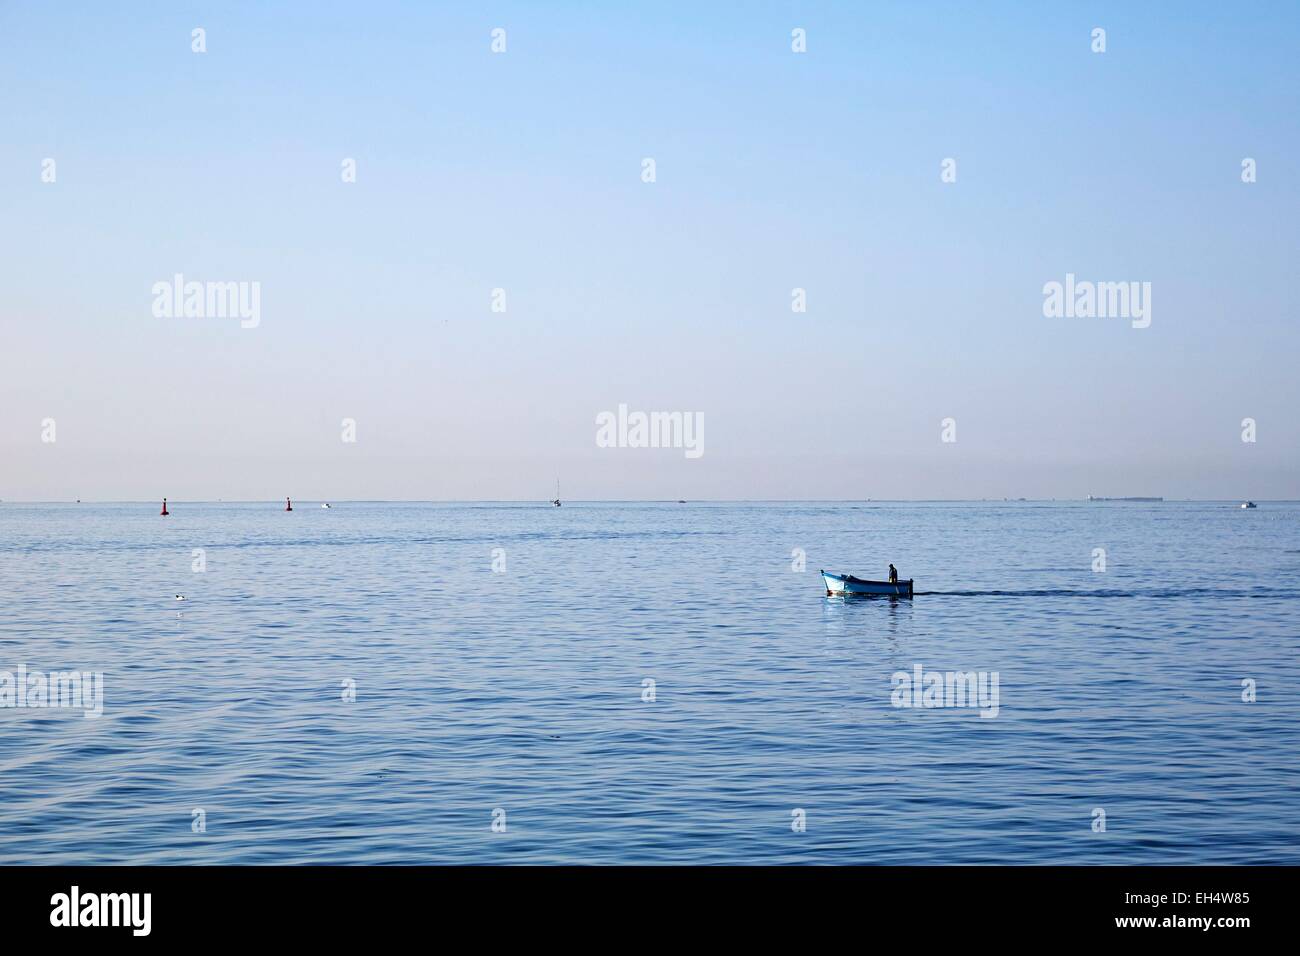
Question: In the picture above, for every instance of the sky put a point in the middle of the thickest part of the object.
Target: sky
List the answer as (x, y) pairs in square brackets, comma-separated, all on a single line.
[(524, 171)]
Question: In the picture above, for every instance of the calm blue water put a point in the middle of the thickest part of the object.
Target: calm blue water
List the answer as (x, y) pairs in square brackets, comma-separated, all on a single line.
[(523, 690)]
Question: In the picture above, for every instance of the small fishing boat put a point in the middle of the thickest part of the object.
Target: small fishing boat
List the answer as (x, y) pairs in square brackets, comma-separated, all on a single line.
[(1249, 504), (848, 584)]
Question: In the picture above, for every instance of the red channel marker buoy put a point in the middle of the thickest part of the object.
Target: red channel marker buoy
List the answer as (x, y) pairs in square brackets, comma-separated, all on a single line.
[(165, 512)]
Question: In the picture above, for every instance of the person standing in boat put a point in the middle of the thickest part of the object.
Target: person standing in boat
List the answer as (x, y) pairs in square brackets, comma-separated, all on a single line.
[(893, 574)]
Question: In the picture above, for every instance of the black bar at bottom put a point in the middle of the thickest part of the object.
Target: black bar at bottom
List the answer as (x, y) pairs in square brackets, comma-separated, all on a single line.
[(335, 905)]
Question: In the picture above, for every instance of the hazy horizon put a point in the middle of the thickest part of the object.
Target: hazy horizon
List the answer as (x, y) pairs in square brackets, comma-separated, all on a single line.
[(775, 171), (634, 501)]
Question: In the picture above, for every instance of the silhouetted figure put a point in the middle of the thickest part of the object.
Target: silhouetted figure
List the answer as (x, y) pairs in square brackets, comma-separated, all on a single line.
[(893, 574)]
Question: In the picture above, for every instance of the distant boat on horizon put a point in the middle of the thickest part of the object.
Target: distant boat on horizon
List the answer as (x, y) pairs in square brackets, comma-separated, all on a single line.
[(557, 502), (1249, 504), (1095, 498)]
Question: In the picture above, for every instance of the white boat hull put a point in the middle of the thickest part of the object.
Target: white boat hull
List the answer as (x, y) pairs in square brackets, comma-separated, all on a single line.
[(847, 584)]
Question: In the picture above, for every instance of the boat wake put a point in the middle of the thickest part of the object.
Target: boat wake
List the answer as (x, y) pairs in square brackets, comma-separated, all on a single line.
[(1263, 592)]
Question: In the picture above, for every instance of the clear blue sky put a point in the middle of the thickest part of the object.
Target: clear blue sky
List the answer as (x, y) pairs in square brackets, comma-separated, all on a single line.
[(522, 171)]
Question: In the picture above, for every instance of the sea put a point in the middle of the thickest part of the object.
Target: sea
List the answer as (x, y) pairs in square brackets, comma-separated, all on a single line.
[(649, 683)]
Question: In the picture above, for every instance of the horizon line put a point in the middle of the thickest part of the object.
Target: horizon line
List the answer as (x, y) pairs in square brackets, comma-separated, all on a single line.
[(547, 501)]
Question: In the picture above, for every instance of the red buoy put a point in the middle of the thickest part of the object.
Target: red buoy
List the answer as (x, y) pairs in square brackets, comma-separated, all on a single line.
[(288, 505), (165, 511)]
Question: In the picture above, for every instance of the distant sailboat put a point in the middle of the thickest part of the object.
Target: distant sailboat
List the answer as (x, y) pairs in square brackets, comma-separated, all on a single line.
[(556, 502)]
